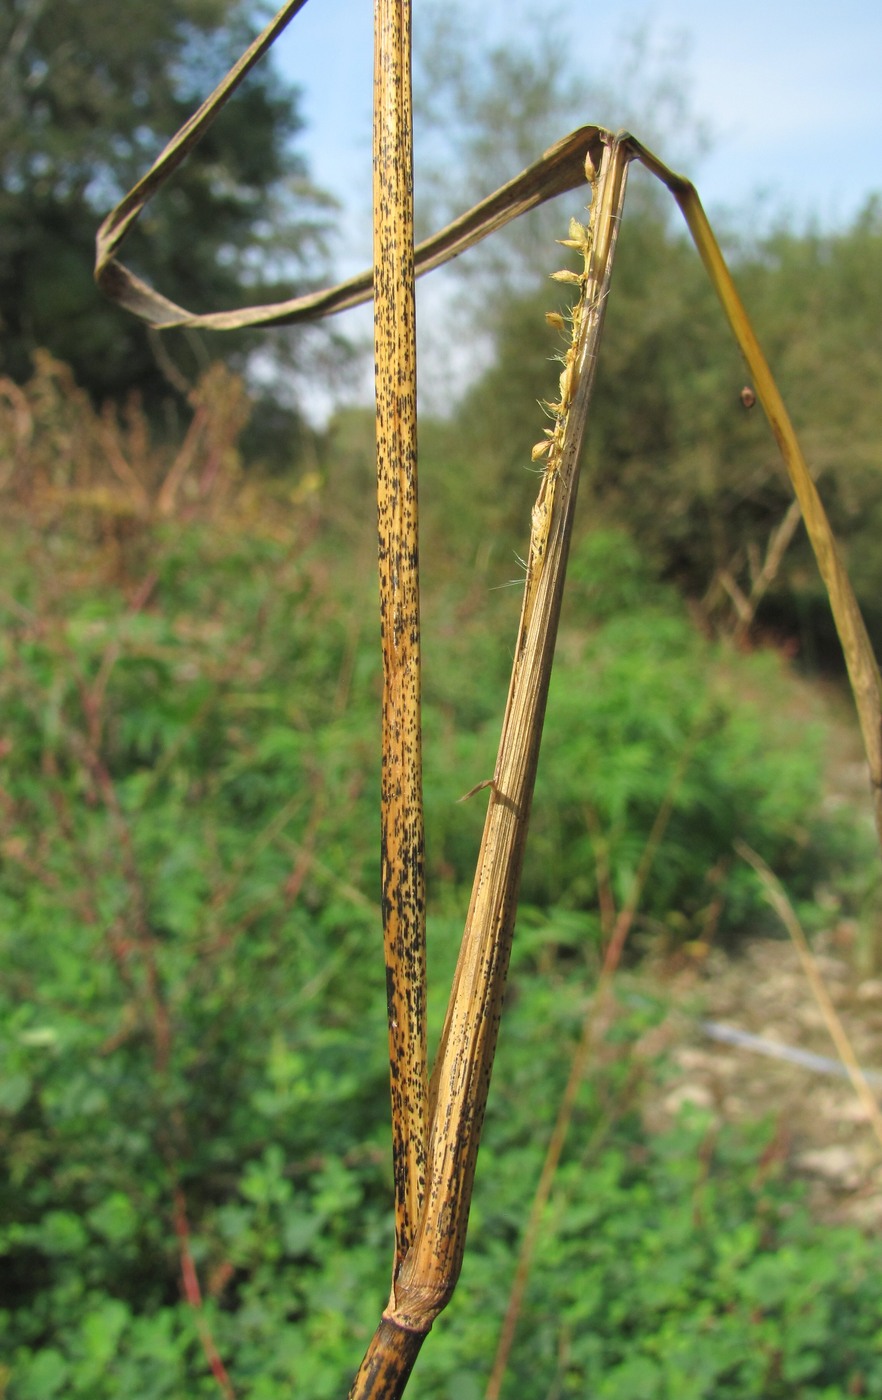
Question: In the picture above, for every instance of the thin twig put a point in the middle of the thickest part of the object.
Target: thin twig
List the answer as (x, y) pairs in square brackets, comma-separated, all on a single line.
[(779, 542), (777, 897), (193, 1295)]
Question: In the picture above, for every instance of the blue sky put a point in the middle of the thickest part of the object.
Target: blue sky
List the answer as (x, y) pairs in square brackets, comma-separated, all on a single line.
[(791, 91)]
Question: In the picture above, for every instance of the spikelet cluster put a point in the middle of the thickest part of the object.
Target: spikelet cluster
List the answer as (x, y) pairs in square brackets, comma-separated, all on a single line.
[(580, 240)]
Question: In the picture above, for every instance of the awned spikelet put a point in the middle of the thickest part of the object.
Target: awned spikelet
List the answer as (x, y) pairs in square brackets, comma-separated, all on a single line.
[(580, 240)]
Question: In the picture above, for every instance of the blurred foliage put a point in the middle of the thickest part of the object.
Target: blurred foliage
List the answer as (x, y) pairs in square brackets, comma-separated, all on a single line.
[(193, 996)]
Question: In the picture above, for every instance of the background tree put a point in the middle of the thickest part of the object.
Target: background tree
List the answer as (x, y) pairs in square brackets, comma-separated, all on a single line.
[(86, 102)]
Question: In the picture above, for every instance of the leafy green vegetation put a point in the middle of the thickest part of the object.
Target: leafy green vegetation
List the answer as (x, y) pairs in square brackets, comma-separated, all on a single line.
[(192, 1006)]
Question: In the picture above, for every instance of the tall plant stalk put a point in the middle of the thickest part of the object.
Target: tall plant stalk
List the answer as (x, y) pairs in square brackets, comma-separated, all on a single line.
[(461, 1076), (437, 1122), (401, 781)]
